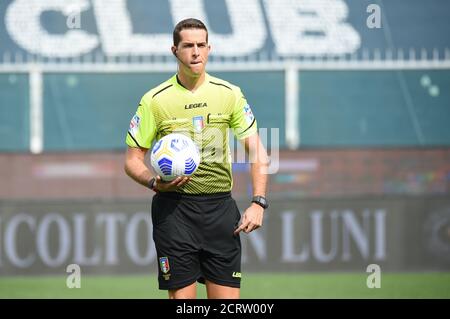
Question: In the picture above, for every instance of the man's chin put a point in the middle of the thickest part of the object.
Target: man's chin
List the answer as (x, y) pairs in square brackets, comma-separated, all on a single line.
[(197, 70)]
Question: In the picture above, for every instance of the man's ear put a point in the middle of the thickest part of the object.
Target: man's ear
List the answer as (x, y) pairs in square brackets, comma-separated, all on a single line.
[(174, 50)]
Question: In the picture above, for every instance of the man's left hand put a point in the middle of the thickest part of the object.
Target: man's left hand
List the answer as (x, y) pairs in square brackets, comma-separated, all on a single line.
[(251, 219)]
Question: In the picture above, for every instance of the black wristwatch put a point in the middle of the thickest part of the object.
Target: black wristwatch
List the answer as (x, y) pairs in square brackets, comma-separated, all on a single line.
[(151, 184), (261, 201)]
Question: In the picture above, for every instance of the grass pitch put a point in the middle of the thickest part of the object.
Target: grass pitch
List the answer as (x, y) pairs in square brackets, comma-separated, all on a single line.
[(254, 286)]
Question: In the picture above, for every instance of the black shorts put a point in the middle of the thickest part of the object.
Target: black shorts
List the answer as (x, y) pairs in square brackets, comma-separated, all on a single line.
[(194, 239)]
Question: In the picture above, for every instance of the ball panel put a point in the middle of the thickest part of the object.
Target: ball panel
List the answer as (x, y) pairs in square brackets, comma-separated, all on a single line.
[(157, 146), (175, 155), (190, 166), (165, 164)]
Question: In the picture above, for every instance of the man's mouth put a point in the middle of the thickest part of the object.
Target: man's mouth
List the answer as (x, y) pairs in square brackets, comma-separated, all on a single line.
[(196, 62)]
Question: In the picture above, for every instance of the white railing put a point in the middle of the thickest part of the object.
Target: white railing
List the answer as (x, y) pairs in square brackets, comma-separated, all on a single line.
[(363, 60), (400, 59)]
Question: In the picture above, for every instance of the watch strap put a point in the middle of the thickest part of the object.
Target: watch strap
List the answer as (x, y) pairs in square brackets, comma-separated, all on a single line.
[(261, 201), (151, 184)]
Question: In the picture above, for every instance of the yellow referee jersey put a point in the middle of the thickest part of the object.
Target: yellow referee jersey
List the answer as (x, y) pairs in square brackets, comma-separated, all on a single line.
[(206, 116)]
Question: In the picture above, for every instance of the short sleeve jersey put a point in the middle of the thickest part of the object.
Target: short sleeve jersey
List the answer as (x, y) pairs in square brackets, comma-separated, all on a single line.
[(206, 116)]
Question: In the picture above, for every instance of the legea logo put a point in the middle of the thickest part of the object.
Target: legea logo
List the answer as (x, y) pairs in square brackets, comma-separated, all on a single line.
[(297, 27)]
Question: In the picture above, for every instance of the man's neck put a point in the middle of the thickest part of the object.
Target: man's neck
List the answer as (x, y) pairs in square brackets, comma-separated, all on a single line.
[(189, 82)]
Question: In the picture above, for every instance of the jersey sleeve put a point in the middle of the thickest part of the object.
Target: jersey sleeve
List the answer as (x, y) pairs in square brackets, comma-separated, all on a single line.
[(243, 121), (142, 129)]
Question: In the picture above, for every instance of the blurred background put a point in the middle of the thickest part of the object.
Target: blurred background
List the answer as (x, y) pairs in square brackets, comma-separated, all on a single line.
[(352, 98)]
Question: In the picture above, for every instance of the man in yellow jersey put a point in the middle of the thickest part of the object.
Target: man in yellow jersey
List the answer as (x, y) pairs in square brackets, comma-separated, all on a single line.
[(196, 223)]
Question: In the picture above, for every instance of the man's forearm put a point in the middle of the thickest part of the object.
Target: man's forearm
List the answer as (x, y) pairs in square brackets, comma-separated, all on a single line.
[(138, 171), (259, 178), (259, 166)]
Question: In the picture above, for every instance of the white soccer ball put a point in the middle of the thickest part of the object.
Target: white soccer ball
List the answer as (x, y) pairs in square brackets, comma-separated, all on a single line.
[(175, 155)]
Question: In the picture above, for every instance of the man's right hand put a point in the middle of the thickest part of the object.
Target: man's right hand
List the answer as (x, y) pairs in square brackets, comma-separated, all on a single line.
[(171, 186)]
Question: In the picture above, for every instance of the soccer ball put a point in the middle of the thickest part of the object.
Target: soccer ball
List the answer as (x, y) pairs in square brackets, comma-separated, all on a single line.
[(175, 155)]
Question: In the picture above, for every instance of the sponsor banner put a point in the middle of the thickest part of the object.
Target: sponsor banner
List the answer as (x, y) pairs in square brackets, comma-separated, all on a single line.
[(398, 234), (284, 28)]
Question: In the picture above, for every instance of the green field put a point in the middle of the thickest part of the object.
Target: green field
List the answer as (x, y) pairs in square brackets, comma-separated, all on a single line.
[(254, 286)]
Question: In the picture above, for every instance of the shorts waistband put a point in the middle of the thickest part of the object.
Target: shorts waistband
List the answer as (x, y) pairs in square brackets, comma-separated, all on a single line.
[(195, 197)]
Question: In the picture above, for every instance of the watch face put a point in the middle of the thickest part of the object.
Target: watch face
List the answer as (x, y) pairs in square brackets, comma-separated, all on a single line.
[(261, 201)]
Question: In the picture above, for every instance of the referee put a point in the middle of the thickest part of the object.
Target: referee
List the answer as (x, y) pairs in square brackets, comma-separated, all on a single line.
[(196, 222)]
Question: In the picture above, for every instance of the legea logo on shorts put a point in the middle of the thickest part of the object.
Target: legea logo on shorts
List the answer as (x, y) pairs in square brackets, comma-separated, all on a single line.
[(237, 274)]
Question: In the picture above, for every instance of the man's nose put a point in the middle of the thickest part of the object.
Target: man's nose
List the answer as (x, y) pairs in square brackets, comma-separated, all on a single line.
[(196, 50)]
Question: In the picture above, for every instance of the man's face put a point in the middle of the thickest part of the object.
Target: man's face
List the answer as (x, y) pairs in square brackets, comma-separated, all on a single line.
[(193, 51)]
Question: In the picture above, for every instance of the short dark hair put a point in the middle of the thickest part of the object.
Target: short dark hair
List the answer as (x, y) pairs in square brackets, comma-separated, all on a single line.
[(189, 23)]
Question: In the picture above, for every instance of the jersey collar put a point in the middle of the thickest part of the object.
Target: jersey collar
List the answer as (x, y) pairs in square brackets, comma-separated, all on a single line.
[(180, 86)]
